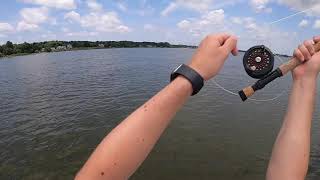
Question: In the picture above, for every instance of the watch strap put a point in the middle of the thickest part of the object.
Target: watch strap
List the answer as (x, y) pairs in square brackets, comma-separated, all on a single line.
[(193, 76)]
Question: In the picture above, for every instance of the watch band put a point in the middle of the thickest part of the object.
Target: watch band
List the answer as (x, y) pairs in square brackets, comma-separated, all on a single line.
[(194, 77)]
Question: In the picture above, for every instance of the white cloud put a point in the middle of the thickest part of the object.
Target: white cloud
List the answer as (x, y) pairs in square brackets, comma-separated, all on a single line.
[(82, 34), (212, 20), (99, 21), (260, 5), (253, 32), (172, 6), (316, 24), (236, 20), (72, 16), (122, 6), (302, 5), (304, 23), (35, 15), (104, 22), (6, 28), (94, 5), (197, 5), (59, 4), (185, 24), (24, 26)]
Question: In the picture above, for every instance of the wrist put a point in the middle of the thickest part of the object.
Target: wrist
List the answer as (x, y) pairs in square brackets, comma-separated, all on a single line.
[(181, 81), (307, 81), (188, 73)]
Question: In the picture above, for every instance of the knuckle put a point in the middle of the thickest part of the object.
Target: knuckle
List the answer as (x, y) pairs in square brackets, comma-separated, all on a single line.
[(224, 52), (306, 43)]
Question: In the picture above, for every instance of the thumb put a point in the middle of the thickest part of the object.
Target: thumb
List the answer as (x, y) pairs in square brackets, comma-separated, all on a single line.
[(230, 45)]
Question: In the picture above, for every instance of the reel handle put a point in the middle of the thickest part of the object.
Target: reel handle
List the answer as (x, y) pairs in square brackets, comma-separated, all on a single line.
[(279, 72)]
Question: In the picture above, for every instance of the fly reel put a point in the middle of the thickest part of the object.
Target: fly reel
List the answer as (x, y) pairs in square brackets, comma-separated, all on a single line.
[(258, 61)]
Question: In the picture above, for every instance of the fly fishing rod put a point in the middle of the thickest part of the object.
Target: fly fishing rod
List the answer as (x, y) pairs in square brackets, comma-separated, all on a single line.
[(258, 63)]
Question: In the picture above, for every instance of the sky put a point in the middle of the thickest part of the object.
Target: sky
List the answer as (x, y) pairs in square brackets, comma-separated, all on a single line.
[(176, 21)]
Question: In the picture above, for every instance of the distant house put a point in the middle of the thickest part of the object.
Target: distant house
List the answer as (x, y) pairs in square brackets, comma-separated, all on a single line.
[(53, 49), (43, 50), (61, 48), (101, 45), (69, 46)]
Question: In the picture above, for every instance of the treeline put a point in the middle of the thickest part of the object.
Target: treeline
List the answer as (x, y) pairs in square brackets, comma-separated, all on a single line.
[(27, 48)]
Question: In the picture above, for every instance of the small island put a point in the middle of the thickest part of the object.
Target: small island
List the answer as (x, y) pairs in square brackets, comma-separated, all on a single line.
[(10, 49)]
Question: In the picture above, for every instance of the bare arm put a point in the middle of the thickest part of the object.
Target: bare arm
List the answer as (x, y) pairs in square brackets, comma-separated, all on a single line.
[(120, 154), (124, 149), (290, 156)]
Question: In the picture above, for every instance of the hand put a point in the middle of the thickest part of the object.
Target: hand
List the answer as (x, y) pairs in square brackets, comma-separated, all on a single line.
[(311, 60), (212, 53)]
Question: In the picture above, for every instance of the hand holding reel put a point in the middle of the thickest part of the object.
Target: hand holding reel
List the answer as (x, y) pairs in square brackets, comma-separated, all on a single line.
[(258, 63)]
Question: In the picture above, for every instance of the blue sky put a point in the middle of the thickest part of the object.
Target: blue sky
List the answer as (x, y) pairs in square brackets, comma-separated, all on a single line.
[(175, 21)]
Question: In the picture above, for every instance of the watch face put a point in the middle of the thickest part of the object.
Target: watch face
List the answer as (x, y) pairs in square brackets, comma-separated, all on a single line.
[(177, 68)]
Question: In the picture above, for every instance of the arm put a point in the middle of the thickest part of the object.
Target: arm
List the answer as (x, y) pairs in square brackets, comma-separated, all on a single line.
[(290, 156), (120, 154)]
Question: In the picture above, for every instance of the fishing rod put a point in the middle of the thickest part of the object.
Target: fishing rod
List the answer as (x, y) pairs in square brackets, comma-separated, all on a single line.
[(258, 63)]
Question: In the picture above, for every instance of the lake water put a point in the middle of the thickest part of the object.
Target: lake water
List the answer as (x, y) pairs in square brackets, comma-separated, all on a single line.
[(55, 108)]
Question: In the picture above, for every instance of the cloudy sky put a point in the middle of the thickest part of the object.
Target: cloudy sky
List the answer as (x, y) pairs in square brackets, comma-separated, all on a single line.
[(175, 21)]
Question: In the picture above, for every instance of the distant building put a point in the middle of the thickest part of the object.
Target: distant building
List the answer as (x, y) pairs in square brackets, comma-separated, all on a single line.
[(53, 49), (101, 45), (69, 46), (43, 50), (61, 48)]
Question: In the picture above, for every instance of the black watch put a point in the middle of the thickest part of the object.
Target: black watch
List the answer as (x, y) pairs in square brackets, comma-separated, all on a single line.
[(194, 77)]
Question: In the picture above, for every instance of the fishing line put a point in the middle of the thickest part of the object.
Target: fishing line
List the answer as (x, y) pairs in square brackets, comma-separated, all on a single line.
[(283, 92)]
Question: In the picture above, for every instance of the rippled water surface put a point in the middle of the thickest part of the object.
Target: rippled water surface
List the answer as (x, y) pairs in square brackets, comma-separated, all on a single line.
[(55, 108)]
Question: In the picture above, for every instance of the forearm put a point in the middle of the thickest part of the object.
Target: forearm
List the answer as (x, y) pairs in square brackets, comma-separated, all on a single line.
[(290, 156), (127, 146)]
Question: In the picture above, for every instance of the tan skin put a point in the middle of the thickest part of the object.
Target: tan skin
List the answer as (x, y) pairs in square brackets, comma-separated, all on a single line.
[(123, 150), (290, 156)]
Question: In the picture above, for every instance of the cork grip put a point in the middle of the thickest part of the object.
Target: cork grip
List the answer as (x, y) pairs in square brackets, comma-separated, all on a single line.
[(282, 70), (294, 62)]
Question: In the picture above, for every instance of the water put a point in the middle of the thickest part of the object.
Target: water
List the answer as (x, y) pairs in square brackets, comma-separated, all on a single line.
[(55, 108)]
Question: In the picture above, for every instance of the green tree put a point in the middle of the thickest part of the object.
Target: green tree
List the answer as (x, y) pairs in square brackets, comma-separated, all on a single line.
[(9, 44)]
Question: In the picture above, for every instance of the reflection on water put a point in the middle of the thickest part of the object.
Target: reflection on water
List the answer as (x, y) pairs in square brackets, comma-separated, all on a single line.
[(55, 108)]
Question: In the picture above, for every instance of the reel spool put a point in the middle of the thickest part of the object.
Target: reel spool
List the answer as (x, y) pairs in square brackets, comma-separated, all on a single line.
[(258, 61)]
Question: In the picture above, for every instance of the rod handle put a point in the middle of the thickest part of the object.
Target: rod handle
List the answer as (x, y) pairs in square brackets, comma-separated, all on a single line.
[(284, 68), (294, 62)]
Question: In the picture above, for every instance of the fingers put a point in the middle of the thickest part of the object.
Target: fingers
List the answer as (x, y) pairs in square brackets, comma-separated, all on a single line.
[(230, 45), (305, 52), (298, 54), (222, 38), (235, 51), (309, 44), (316, 39)]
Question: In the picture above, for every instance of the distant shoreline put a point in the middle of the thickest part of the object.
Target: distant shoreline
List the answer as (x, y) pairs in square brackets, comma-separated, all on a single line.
[(9, 49)]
